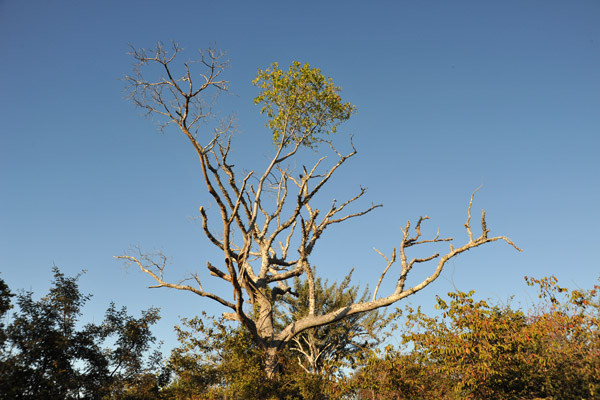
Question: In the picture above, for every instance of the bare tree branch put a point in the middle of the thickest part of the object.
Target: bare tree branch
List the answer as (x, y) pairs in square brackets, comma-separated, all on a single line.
[(156, 269)]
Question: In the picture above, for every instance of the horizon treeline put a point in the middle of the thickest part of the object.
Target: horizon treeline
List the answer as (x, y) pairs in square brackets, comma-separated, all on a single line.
[(473, 349)]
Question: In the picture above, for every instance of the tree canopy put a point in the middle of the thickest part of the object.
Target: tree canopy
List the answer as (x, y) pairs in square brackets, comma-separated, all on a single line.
[(477, 350), (301, 103), (47, 354), (474, 349)]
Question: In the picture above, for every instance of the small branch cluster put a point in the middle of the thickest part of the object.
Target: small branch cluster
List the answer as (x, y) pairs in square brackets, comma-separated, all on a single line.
[(178, 98), (408, 241)]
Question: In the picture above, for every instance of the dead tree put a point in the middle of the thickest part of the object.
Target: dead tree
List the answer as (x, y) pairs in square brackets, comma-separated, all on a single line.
[(275, 234)]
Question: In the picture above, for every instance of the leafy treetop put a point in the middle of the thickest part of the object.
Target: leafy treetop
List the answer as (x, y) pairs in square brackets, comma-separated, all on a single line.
[(301, 103)]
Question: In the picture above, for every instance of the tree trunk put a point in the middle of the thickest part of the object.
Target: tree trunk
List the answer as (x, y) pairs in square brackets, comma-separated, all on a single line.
[(266, 331), (271, 364)]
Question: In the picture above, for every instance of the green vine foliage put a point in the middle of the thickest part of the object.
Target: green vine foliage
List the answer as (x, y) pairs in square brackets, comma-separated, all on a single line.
[(303, 106)]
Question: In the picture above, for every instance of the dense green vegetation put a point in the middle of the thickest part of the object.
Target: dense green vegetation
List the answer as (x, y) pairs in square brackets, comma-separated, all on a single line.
[(47, 354), (475, 350), (471, 350)]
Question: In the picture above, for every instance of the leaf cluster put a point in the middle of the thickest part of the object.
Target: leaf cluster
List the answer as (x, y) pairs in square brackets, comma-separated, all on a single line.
[(301, 103)]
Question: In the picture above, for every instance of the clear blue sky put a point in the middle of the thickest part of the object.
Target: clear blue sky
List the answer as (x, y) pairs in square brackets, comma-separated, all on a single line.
[(448, 94)]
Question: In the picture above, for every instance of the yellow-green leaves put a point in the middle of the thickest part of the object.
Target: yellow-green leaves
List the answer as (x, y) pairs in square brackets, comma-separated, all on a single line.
[(302, 105)]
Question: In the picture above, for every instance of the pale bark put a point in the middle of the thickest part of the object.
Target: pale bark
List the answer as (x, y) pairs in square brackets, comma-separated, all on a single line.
[(260, 262)]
